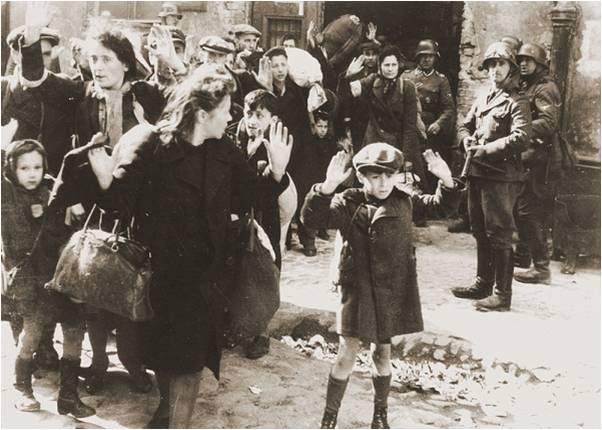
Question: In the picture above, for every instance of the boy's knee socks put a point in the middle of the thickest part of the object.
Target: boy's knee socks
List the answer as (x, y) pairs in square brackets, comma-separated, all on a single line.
[(382, 385), (334, 393)]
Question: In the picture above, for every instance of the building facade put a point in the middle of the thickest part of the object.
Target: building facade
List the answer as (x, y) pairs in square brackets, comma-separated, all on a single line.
[(570, 30)]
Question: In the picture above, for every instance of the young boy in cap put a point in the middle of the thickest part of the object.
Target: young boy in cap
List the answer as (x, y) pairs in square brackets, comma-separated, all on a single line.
[(377, 266)]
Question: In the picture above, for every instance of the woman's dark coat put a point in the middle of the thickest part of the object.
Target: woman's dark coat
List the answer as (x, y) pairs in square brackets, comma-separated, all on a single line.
[(377, 267), (391, 117), (67, 95), (186, 222)]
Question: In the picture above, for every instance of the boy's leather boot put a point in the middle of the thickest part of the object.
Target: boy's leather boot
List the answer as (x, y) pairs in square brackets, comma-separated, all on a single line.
[(382, 385), (69, 401), (25, 400), (502, 294), (334, 396), (483, 285)]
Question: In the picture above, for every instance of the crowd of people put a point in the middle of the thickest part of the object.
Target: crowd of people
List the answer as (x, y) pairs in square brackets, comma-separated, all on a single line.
[(186, 140)]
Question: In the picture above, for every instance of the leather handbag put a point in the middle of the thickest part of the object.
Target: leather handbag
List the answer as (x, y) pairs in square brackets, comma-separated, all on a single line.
[(255, 297), (106, 270)]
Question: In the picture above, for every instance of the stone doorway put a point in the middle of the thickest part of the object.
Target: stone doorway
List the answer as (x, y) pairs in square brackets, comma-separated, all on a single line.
[(406, 23)]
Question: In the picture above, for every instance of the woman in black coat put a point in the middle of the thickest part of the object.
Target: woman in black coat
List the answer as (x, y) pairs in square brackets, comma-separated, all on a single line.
[(112, 103), (183, 181)]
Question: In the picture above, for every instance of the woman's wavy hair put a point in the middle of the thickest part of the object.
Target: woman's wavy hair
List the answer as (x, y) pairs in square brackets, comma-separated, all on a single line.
[(389, 50), (205, 89)]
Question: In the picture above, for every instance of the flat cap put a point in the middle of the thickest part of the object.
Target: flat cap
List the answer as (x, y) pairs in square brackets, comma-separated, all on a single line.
[(378, 156), (216, 44), (49, 34), (244, 29)]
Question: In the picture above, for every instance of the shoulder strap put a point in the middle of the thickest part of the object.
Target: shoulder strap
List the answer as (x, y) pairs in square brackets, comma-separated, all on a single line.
[(350, 223)]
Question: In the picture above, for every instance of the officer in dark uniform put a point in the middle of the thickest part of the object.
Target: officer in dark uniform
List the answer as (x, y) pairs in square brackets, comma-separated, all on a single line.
[(438, 109), (541, 161), (494, 133)]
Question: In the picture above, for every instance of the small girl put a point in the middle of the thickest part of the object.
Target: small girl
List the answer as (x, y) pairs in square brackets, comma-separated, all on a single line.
[(25, 194), (377, 268)]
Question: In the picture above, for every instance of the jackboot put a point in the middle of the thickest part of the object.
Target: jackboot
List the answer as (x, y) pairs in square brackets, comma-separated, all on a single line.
[(382, 385), (538, 246), (69, 401), (334, 396), (25, 401), (502, 293), (483, 285)]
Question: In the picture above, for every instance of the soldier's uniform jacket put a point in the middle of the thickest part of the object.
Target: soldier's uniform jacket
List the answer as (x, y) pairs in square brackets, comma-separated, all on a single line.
[(501, 120), (545, 103), (435, 97)]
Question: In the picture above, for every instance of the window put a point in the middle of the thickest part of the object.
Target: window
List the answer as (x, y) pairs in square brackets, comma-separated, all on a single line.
[(278, 27)]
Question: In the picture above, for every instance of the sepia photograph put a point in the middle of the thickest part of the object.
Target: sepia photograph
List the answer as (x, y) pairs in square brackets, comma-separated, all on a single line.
[(300, 214)]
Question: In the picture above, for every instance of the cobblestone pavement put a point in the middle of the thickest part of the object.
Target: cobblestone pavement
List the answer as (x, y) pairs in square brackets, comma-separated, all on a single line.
[(539, 363)]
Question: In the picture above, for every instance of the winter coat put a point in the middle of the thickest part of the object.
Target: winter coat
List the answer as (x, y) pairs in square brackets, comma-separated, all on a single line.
[(543, 157), (85, 99), (38, 119), (184, 217), (315, 156), (268, 215), (23, 214), (377, 268), (392, 117), (502, 121)]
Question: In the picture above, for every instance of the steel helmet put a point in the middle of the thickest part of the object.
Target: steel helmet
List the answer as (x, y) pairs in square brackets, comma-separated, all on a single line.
[(427, 46), (512, 41), (535, 51), (499, 50)]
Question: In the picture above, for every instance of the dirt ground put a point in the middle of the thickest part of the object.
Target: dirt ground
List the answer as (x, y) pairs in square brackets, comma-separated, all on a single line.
[(540, 362)]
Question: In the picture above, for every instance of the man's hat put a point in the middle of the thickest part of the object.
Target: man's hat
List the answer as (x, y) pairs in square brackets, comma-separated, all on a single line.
[(370, 45), (216, 44), (49, 34), (168, 9), (246, 29), (427, 47), (378, 156)]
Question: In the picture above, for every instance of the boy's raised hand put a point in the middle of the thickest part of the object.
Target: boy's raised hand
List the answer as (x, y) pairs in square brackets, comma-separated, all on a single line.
[(438, 167), (279, 148), (338, 171), (38, 15), (264, 77)]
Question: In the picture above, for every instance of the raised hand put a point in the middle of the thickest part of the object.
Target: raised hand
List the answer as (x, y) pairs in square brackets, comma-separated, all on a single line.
[(346, 143), (337, 172), (279, 149), (160, 44), (371, 33), (264, 77), (438, 167), (37, 16), (356, 66), (102, 164)]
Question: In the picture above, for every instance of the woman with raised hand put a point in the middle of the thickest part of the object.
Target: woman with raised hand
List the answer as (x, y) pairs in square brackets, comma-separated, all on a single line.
[(183, 180), (110, 104)]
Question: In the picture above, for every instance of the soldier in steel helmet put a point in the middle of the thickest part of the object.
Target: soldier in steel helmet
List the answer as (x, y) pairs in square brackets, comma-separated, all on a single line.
[(494, 133), (540, 160), (438, 109)]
